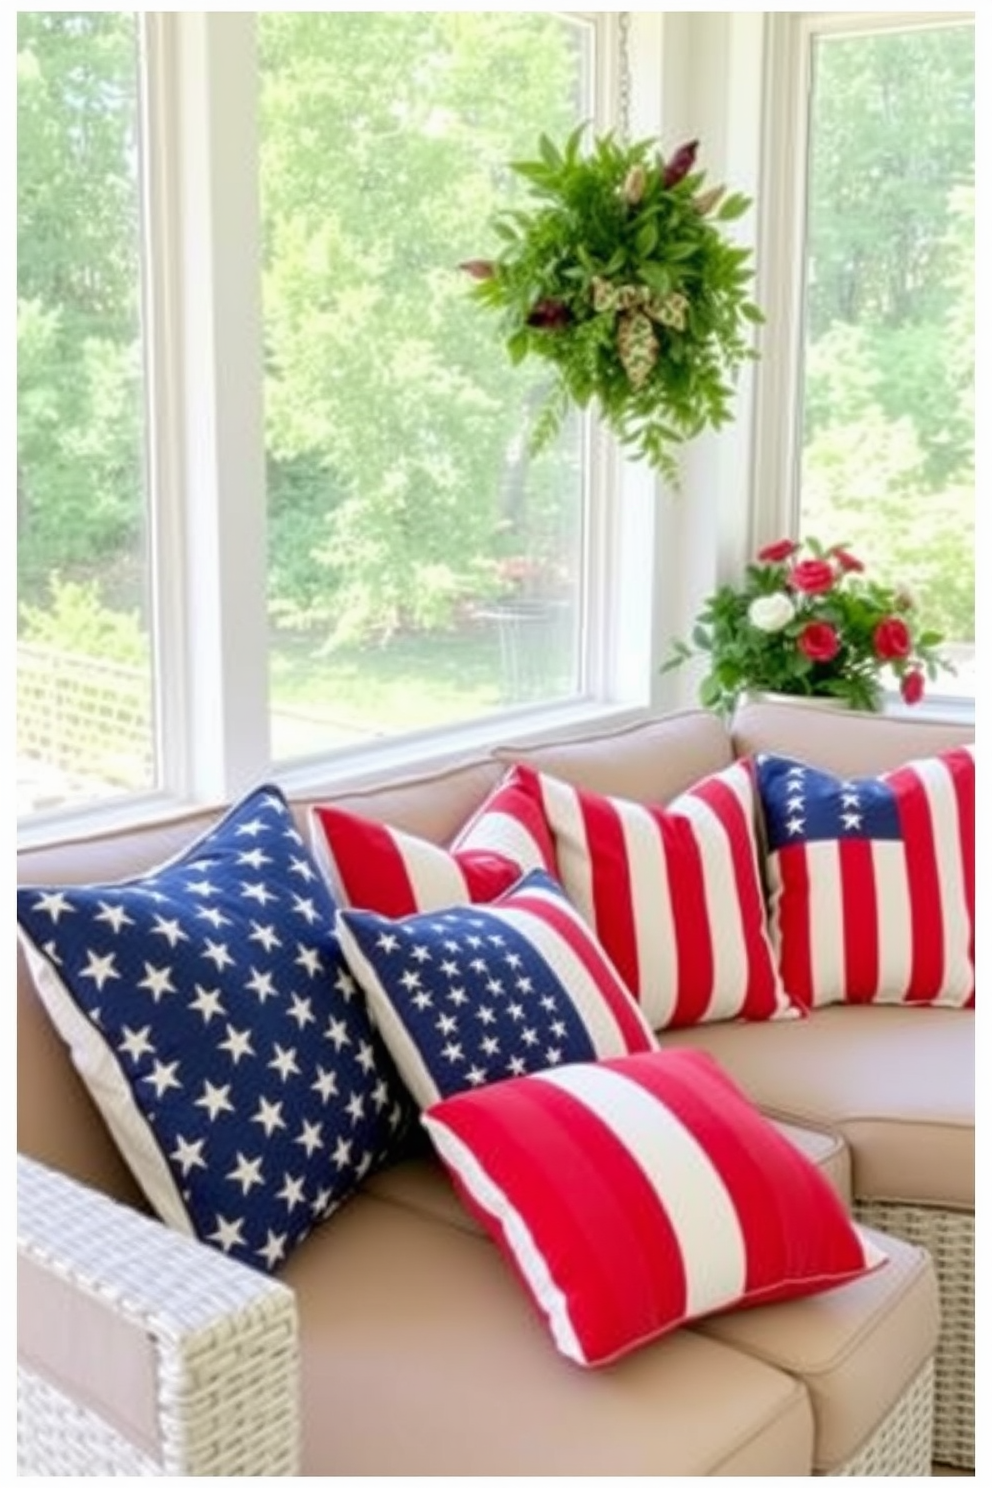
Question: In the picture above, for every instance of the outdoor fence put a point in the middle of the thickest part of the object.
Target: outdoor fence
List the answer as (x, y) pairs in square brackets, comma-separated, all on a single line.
[(85, 716)]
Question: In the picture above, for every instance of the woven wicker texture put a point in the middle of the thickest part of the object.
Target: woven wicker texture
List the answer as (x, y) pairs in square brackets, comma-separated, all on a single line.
[(225, 1339), (901, 1446), (950, 1239), (57, 1437)]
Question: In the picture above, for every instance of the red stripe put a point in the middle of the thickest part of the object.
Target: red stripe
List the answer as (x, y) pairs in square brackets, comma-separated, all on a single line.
[(370, 868), (613, 905), (486, 874), (926, 920), (794, 906), (690, 918), (961, 766), (762, 995), (607, 1242), (860, 910), (793, 1224), (567, 924)]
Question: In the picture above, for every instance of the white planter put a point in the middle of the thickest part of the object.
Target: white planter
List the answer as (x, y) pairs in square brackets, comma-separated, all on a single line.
[(792, 701)]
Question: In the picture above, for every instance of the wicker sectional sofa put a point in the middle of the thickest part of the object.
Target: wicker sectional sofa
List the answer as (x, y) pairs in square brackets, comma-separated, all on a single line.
[(396, 1340)]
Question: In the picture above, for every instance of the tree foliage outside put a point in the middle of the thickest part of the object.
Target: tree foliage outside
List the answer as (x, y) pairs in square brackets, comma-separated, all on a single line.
[(889, 453), (401, 494)]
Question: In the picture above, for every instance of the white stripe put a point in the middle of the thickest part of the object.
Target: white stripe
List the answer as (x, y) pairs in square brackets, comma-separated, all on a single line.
[(654, 919), (561, 807), (414, 1071), (501, 832), (826, 922), (895, 920), (602, 1027), (326, 861), (944, 816), (723, 907), (435, 877), (490, 1197), (687, 1185)]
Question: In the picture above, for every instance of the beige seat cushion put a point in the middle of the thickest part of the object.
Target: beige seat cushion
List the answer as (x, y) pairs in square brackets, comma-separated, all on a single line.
[(437, 1364), (856, 1348), (897, 1083)]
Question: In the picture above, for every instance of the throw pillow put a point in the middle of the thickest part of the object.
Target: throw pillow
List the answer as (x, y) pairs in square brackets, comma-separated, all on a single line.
[(478, 993), (872, 880), (673, 894), (375, 866), (637, 1194), (210, 1013)]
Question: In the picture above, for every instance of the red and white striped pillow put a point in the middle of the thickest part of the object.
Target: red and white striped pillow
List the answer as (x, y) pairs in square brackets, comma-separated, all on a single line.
[(673, 893), (374, 866), (872, 880), (639, 1193)]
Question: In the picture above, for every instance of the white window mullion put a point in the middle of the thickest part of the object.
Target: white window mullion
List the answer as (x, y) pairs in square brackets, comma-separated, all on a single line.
[(212, 539)]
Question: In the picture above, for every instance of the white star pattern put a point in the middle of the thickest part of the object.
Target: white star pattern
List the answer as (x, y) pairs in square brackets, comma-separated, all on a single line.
[(218, 987)]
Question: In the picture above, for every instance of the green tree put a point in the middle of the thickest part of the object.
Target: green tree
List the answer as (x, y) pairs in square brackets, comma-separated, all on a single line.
[(391, 408), (79, 458), (888, 459)]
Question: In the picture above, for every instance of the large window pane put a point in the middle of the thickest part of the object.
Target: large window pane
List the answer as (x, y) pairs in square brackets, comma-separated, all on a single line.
[(888, 450), (84, 717), (423, 569)]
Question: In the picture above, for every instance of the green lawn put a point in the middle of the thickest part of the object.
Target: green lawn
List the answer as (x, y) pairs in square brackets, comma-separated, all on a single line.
[(408, 683)]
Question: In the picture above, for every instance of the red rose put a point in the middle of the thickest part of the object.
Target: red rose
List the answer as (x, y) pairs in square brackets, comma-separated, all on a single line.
[(911, 687), (891, 639), (778, 552), (819, 641), (847, 561), (812, 576)]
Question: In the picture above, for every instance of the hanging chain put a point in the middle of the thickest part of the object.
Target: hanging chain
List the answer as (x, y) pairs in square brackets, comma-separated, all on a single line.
[(624, 81)]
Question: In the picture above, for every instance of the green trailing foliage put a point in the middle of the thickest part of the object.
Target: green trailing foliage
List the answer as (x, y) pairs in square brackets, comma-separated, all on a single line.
[(621, 277)]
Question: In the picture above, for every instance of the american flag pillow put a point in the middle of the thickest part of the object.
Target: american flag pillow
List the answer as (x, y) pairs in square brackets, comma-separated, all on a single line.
[(477, 993), (375, 866), (673, 894), (208, 1009), (639, 1193), (872, 880)]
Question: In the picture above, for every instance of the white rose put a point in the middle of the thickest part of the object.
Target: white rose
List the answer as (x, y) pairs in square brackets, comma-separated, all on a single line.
[(771, 612)]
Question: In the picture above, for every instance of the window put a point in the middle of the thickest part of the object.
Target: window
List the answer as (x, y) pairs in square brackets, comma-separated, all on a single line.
[(423, 572), (84, 685), (887, 459)]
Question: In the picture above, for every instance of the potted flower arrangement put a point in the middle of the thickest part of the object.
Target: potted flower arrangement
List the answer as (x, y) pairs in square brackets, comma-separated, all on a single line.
[(619, 276), (806, 621)]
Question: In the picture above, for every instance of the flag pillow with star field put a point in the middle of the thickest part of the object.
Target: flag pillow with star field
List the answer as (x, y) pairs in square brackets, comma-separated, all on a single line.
[(476, 993), (872, 880), (208, 1009)]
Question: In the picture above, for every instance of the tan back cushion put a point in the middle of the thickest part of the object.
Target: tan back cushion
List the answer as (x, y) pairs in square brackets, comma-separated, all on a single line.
[(652, 761), (840, 740)]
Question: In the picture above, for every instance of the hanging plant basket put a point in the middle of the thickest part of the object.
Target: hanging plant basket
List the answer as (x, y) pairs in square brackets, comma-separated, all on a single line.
[(620, 277)]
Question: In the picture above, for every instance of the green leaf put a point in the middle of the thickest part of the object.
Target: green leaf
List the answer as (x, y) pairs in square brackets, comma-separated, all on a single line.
[(646, 240), (733, 206)]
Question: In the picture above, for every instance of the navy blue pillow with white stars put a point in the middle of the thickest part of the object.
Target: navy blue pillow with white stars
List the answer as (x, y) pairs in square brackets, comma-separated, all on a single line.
[(210, 1012)]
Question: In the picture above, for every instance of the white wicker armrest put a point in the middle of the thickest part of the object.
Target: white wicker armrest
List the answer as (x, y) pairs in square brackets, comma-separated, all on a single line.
[(142, 1351)]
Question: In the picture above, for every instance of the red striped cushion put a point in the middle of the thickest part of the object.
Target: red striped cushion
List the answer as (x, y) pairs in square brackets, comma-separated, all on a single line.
[(378, 867), (673, 893), (873, 880), (635, 1194)]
